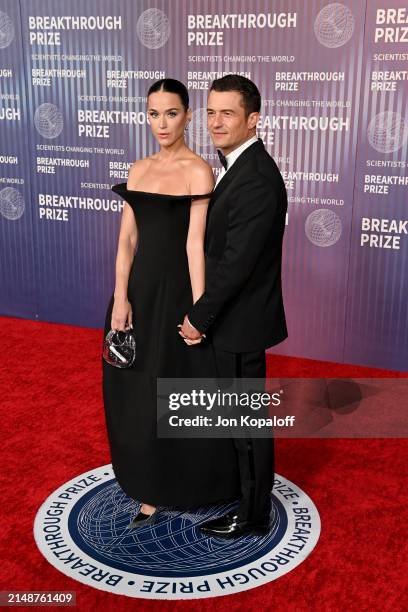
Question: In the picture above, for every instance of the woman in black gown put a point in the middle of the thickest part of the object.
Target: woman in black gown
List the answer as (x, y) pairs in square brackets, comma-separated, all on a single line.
[(159, 274)]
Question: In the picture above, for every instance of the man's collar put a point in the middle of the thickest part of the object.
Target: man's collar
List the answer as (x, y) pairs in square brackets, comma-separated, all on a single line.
[(238, 165), (231, 157)]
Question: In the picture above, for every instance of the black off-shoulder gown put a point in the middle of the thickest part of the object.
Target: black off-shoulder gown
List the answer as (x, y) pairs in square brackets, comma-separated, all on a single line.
[(162, 471)]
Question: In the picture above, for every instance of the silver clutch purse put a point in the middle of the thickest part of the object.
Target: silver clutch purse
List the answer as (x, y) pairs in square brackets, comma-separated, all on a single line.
[(119, 348)]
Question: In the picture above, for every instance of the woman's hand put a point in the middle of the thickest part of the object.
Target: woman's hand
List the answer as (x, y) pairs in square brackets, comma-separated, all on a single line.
[(121, 315)]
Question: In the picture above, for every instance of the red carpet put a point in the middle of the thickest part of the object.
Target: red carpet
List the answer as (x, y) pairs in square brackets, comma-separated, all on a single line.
[(54, 429)]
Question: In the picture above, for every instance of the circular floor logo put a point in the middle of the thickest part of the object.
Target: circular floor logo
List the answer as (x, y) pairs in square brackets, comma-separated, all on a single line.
[(83, 530)]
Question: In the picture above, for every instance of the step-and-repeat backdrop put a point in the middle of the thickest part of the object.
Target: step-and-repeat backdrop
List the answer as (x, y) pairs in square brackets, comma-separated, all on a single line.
[(333, 78)]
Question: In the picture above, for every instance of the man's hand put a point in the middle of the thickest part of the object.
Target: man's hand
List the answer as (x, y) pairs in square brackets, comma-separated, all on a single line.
[(190, 334)]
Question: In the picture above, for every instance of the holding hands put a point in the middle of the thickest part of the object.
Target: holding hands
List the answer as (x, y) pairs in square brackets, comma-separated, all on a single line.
[(190, 334)]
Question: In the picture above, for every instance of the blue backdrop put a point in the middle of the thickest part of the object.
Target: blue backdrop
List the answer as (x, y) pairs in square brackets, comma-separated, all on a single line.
[(333, 77)]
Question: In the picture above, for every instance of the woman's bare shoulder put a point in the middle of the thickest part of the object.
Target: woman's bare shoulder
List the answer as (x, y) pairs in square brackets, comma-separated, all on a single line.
[(136, 170), (140, 163), (198, 166), (200, 175)]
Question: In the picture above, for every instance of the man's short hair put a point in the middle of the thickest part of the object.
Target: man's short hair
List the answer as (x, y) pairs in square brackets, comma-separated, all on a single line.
[(251, 97)]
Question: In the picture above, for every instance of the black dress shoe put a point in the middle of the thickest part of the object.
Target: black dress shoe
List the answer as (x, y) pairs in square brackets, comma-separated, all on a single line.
[(141, 519), (229, 526)]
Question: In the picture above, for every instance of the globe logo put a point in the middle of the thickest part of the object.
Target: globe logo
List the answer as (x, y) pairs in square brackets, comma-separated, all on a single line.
[(323, 227), (100, 526), (153, 28), (48, 120), (86, 535), (198, 128), (334, 25), (11, 203), (6, 30), (387, 132)]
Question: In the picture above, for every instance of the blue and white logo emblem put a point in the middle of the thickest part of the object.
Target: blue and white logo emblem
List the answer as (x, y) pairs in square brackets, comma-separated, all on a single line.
[(82, 529)]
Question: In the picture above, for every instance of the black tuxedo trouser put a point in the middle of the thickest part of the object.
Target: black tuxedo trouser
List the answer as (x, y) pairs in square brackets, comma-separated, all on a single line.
[(255, 455)]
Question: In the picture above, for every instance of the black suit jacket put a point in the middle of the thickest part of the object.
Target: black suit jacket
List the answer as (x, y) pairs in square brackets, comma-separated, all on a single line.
[(242, 306)]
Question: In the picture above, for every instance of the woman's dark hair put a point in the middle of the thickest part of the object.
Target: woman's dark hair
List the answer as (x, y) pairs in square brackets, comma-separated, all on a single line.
[(235, 82), (171, 86)]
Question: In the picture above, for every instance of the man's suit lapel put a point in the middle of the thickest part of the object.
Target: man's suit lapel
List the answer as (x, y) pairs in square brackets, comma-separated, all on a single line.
[(238, 165)]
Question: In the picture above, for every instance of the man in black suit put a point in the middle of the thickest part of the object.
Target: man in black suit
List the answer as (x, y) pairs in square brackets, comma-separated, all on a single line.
[(242, 307)]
